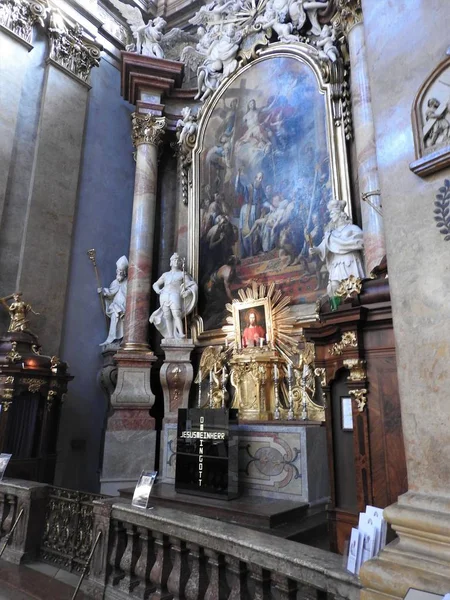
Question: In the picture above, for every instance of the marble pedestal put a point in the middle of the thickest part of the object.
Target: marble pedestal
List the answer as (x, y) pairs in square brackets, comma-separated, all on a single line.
[(130, 439), (284, 460), (176, 379), (420, 557)]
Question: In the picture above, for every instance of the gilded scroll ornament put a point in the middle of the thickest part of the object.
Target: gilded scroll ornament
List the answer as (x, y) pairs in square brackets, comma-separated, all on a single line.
[(19, 16), (71, 49), (349, 14), (33, 383), (55, 361), (147, 129), (5, 380), (348, 340), (348, 287), (357, 368), (360, 397), (13, 356), (5, 404), (51, 396)]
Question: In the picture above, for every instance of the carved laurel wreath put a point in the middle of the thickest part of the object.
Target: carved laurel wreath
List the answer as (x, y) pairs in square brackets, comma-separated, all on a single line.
[(442, 210)]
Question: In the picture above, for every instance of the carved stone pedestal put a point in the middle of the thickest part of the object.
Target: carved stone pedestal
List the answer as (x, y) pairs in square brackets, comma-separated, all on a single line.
[(130, 438), (176, 376), (176, 379), (420, 558)]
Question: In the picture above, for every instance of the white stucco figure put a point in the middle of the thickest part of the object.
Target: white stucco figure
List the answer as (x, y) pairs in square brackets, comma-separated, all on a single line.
[(178, 294), (148, 36), (340, 248), (116, 300), (186, 126), (325, 44), (270, 19), (220, 61)]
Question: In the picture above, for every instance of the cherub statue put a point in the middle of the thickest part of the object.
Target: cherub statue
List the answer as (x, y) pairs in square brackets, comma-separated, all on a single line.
[(325, 43), (18, 311), (177, 297), (186, 127), (147, 36), (116, 300), (271, 19), (311, 7), (340, 248), (220, 61)]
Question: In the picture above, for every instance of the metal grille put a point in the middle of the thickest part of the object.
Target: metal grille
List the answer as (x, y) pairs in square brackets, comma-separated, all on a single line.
[(67, 538)]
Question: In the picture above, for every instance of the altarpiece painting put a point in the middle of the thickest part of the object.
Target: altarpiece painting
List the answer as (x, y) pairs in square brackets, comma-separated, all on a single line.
[(265, 168)]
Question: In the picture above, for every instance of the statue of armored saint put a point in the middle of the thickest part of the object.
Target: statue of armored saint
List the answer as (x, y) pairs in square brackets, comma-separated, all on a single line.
[(177, 297), (116, 299)]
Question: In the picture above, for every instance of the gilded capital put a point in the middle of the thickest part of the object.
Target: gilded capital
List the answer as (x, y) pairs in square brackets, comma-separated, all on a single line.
[(349, 14), (19, 16), (147, 129)]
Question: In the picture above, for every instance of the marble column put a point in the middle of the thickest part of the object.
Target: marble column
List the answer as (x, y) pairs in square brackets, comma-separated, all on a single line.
[(130, 438), (364, 132)]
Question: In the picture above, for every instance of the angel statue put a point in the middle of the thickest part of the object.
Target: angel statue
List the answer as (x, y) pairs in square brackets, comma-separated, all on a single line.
[(177, 297), (18, 311), (186, 127), (325, 44), (148, 37)]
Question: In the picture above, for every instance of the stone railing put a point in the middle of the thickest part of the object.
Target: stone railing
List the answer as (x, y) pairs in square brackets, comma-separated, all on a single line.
[(164, 553), (28, 499)]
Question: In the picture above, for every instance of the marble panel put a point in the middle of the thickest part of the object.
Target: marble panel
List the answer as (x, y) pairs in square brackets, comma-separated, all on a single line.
[(126, 454), (46, 246), (284, 462), (13, 66)]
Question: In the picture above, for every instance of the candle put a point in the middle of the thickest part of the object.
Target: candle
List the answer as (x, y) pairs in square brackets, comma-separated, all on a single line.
[(261, 342), (275, 372), (226, 342), (290, 371), (210, 376)]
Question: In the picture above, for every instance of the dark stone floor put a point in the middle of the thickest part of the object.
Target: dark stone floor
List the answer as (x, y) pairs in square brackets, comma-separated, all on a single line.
[(26, 583)]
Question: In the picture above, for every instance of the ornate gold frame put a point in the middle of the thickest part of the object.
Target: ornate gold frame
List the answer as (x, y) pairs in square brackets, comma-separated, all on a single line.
[(336, 143), (238, 307)]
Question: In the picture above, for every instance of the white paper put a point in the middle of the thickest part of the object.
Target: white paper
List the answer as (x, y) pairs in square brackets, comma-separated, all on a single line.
[(353, 551), (369, 535), (380, 524)]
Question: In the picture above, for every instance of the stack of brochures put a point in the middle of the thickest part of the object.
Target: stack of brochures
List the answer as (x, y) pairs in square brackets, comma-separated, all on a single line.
[(366, 541)]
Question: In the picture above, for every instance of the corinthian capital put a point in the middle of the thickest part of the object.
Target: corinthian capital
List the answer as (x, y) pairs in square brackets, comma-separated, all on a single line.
[(147, 129), (349, 14), (19, 16), (70, 49)]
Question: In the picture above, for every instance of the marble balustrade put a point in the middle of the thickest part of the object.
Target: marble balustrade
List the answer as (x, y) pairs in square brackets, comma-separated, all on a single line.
[(162, 554)]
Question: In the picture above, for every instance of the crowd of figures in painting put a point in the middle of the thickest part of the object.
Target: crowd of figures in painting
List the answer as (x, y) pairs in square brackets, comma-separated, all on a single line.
[(264, 185)]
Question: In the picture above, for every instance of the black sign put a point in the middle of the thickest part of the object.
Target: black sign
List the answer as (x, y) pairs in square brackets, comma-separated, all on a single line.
[(207, 453)]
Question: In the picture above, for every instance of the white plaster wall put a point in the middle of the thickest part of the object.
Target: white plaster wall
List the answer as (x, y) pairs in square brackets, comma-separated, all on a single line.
[(405, 40)]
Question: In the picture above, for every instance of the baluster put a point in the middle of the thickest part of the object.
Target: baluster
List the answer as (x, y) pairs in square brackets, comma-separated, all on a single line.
[(284, 588), (128, 560), (238, 575), (2, 511), (217, 588), (179, 575), (261, 582), (161, 569), (196, 585), (117, 549), (145, 563), (11, 502)]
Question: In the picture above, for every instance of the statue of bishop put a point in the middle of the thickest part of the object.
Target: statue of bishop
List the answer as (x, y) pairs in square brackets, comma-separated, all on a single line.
[(116, 299)]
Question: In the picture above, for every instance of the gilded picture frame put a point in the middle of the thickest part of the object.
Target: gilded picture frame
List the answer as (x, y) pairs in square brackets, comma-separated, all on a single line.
[(249, 331), (326, 174)]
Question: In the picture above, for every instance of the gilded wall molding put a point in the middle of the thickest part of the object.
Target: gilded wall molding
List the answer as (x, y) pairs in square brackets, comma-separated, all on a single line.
[(147, 129), (348, 14), (360, 397), (348, 340), (357, 368), (19, 16)]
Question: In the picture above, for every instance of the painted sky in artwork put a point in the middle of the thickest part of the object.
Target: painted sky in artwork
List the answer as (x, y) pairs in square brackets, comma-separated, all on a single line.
[(264, 186)]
